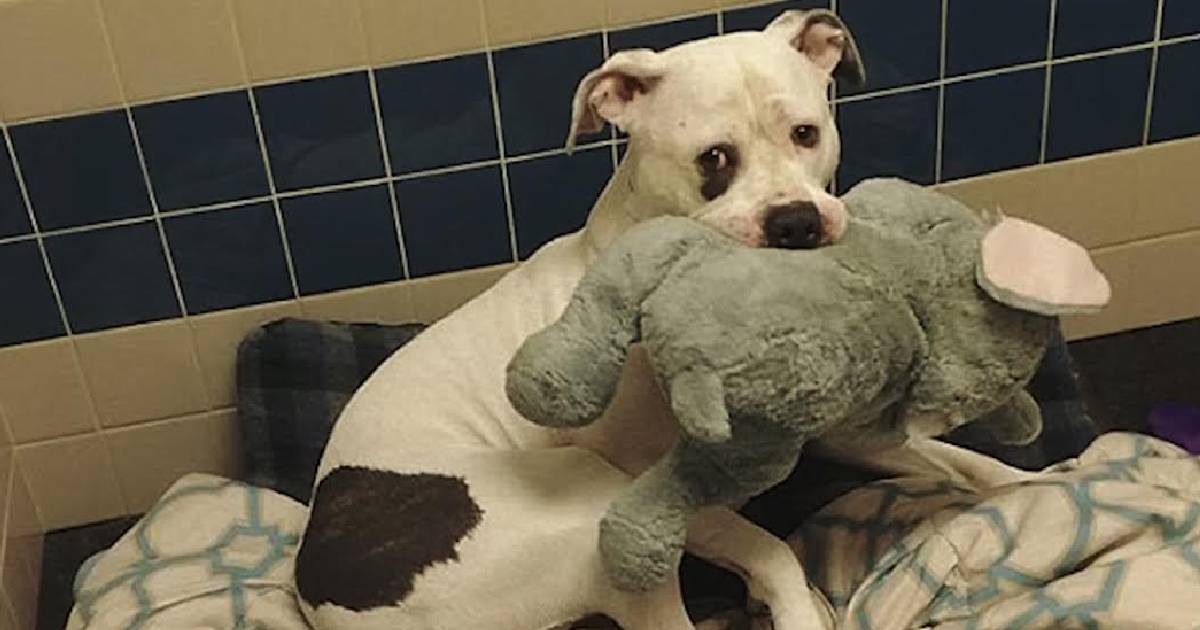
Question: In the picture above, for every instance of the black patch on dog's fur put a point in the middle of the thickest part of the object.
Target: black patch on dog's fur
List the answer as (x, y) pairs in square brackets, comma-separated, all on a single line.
[(372, 532)]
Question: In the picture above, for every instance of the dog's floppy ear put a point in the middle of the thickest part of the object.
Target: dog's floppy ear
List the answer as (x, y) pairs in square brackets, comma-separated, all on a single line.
[(1031, 268), (612, 92), (822, 37)]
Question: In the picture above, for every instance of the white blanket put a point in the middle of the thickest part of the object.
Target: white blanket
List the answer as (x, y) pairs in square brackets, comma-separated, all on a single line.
[(212, 553)]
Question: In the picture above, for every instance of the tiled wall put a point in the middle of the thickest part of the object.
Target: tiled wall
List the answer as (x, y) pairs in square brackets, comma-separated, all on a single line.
[(175, 173), (20, 547)]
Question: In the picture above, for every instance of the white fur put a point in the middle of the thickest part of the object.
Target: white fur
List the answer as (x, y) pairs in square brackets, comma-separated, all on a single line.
[(438, 404)]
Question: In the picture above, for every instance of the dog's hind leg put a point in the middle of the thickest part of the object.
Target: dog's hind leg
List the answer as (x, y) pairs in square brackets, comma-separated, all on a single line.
[(770, 568)]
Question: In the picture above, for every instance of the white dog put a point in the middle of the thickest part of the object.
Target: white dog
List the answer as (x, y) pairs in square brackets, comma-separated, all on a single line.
[(438, 507)]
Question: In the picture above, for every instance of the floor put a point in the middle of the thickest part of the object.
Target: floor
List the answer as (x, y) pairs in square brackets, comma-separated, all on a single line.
[(1123, 376)]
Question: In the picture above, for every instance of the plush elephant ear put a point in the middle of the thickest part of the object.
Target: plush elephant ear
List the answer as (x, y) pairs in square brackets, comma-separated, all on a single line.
[(1031, 268)]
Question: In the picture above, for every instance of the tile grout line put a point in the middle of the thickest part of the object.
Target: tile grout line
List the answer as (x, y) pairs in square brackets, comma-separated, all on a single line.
[(36, 233), (1047, 82), (68, 332), (941, 99), (393, 199), (500, 147), (1158, 19), (98, 423), (155, 216), (261, 136)]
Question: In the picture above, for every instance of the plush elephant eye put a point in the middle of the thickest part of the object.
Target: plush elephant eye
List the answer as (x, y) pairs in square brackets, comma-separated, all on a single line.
[(718, 166), (806, 136)]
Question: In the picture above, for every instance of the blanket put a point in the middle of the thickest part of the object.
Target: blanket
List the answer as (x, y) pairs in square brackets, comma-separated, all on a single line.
[(212, 553), (1110, 539)]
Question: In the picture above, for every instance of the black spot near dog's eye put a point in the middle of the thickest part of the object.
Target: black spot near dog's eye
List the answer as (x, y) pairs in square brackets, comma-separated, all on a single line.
[(806, 136), (718, 165)]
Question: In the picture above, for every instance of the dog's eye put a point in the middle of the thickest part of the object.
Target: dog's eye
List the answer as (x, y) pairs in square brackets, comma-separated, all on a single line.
[(715, 159), (806, 136), (718, 167)]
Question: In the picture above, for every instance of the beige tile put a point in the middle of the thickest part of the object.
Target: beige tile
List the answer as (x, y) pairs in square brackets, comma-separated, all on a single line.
[(19, 587), (437, 296), (72, 481), (42, 392), (1151, 282), (142, 373), (287, 38), (7, 616), (150, 458), (1090, 200), (172, 48), (217, 338), (401, 30), (53, 59), (23, 519), (7, 457), (1168, 188), (516, 21), (622, 12), (1120, 314), (389, 303)]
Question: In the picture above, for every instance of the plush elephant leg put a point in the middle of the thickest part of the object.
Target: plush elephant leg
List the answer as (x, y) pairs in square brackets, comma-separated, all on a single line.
[(1017, 422), (643, 533)]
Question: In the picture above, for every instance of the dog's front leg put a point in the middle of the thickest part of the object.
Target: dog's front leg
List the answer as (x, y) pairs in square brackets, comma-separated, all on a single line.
[(770, 568)]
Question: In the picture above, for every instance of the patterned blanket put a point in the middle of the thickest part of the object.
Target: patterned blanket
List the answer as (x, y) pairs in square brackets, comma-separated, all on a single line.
[(1110, 539)]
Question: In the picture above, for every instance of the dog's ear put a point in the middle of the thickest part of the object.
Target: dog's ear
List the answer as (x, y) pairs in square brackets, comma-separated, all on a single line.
[(822, 37), (612, 92)]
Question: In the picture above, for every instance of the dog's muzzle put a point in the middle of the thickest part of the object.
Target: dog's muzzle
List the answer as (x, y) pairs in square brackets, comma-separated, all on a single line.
[(795, 225)]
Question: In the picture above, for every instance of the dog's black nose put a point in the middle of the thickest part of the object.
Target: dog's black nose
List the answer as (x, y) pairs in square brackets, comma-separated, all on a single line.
[(793, 226)]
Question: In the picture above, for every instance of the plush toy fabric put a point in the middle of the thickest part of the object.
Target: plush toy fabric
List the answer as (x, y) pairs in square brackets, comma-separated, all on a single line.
[(923, 317)]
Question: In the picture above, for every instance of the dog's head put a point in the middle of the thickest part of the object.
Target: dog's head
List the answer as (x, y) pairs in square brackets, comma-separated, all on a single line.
[(736, 130)]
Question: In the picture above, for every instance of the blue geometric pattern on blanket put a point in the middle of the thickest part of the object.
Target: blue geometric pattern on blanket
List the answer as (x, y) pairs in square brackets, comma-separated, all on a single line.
[(152, 562), (881, 530)]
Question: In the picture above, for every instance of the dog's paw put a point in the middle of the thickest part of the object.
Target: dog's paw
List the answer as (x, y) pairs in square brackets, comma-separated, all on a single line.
[(637, 557)]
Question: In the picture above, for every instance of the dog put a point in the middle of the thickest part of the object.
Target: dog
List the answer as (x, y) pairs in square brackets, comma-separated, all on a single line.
[(438, 507)]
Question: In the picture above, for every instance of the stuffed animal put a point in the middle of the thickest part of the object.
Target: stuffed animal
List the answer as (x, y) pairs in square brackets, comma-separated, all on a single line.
[(926, 315)]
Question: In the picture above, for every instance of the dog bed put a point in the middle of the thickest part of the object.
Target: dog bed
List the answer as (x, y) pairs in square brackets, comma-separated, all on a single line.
[(217, 554)]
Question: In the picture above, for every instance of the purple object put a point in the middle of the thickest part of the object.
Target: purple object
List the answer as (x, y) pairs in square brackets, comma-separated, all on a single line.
[(1177, 423)]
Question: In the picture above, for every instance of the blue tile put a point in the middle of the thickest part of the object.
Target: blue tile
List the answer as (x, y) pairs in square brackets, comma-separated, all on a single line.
[(893, 136), (900, 42), (29, 312), (1097, 105), (663, 35), (454, 221), (1176, 112), (81, 170), (1090, 25), (201, 150), (13, 217), (536, 84), (320, 131), (112, 276), (342, 239), (757, 18), (229, 258), (982, 35), (1180, 17), (437, 113), (552, 196), (993, 123)]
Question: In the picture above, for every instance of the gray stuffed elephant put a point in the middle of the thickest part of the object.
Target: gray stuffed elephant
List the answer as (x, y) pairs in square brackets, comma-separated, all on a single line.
[(924, 316)]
